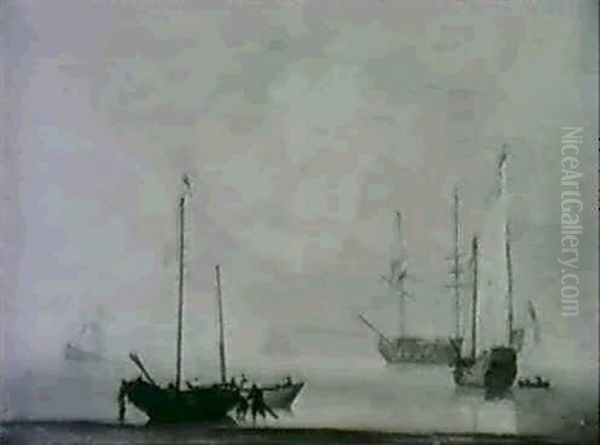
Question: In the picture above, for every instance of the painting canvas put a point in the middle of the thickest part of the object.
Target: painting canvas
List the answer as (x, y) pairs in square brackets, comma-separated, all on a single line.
[(304, 221)]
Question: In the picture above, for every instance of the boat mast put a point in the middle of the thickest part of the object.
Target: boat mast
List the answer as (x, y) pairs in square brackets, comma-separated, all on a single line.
[(509, 273), (182, 199), (507, 246), (221, 329), (474, 309), (456, 270), (398, 279)]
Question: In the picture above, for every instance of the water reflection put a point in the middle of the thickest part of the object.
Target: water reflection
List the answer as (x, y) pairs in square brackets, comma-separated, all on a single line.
[(356, 396)]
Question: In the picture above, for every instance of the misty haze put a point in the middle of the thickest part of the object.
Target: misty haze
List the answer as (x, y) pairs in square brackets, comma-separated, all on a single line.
[(384, 186)]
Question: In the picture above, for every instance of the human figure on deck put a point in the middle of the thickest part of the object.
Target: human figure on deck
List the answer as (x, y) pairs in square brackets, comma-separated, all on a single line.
[(258, 405)]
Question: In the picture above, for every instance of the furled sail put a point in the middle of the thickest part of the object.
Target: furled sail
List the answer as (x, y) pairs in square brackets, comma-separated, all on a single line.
[(494, 276)]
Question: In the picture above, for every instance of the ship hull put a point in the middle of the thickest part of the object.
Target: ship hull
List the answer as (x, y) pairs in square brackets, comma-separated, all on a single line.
[(207, 404), (495, 371), (418, 350), (282, 398)]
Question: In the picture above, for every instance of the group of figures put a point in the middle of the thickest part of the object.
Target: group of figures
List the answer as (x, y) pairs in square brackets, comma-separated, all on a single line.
[(252, 398)]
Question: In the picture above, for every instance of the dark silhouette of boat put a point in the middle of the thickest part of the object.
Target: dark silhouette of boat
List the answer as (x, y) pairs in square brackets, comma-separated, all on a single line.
[(211, 403), (202, 403), (537, 383)]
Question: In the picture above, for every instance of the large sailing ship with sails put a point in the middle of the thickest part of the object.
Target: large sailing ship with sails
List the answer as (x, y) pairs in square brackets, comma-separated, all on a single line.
[(201, 403), (405, 348), (494, 342)]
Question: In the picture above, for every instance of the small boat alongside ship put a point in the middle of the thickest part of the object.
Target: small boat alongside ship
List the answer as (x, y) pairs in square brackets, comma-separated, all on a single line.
[(281, 397), (536, 383)]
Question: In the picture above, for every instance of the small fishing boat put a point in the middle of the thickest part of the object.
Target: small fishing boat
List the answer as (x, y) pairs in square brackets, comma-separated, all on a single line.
[(536, 383), (201, 403)]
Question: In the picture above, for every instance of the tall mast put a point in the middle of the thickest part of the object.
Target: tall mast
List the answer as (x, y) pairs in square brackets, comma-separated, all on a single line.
[(474, 308), (221, 330), (502, 195), (398, 279), (501, 182), (509, 273), (456, 270), (182, 198)]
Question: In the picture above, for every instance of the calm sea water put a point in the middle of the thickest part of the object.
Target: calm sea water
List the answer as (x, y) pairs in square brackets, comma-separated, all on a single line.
[(359, 396)]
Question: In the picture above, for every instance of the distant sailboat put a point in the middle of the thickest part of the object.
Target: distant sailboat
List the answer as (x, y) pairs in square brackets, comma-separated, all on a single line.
[(88, 345), (278, 396)]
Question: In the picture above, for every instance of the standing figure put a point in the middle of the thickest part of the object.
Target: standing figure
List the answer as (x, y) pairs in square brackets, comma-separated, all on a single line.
[(242, 408), (258, 405), (121, 400)]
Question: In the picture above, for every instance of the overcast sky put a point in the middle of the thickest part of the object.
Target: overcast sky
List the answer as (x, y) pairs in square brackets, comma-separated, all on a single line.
[(304, 125)]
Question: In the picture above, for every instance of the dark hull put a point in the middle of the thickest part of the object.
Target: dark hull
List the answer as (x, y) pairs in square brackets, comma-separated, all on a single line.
[(495, 371), (208, 404), (418, 350), (283, 396)]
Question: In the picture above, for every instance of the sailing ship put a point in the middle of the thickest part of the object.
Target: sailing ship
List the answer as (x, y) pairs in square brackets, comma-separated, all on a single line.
[(202, 403), (405, 348), (494, 367), (494, 370), (87, 346)]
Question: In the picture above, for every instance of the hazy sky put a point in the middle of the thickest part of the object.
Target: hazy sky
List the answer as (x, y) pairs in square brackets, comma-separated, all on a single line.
[(304, 125)]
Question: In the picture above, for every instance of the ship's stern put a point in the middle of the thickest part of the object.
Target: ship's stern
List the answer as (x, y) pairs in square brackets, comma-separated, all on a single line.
[(501, 372)]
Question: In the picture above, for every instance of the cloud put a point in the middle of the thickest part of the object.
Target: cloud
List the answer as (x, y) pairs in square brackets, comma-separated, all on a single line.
[(304, 127)]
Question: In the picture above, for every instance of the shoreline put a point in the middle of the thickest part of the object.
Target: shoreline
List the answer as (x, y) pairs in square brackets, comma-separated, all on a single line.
[(43, 429)]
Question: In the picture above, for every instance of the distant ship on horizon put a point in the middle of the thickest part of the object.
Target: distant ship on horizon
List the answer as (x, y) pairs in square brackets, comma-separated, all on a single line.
[(88, 344), (405, 348)]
